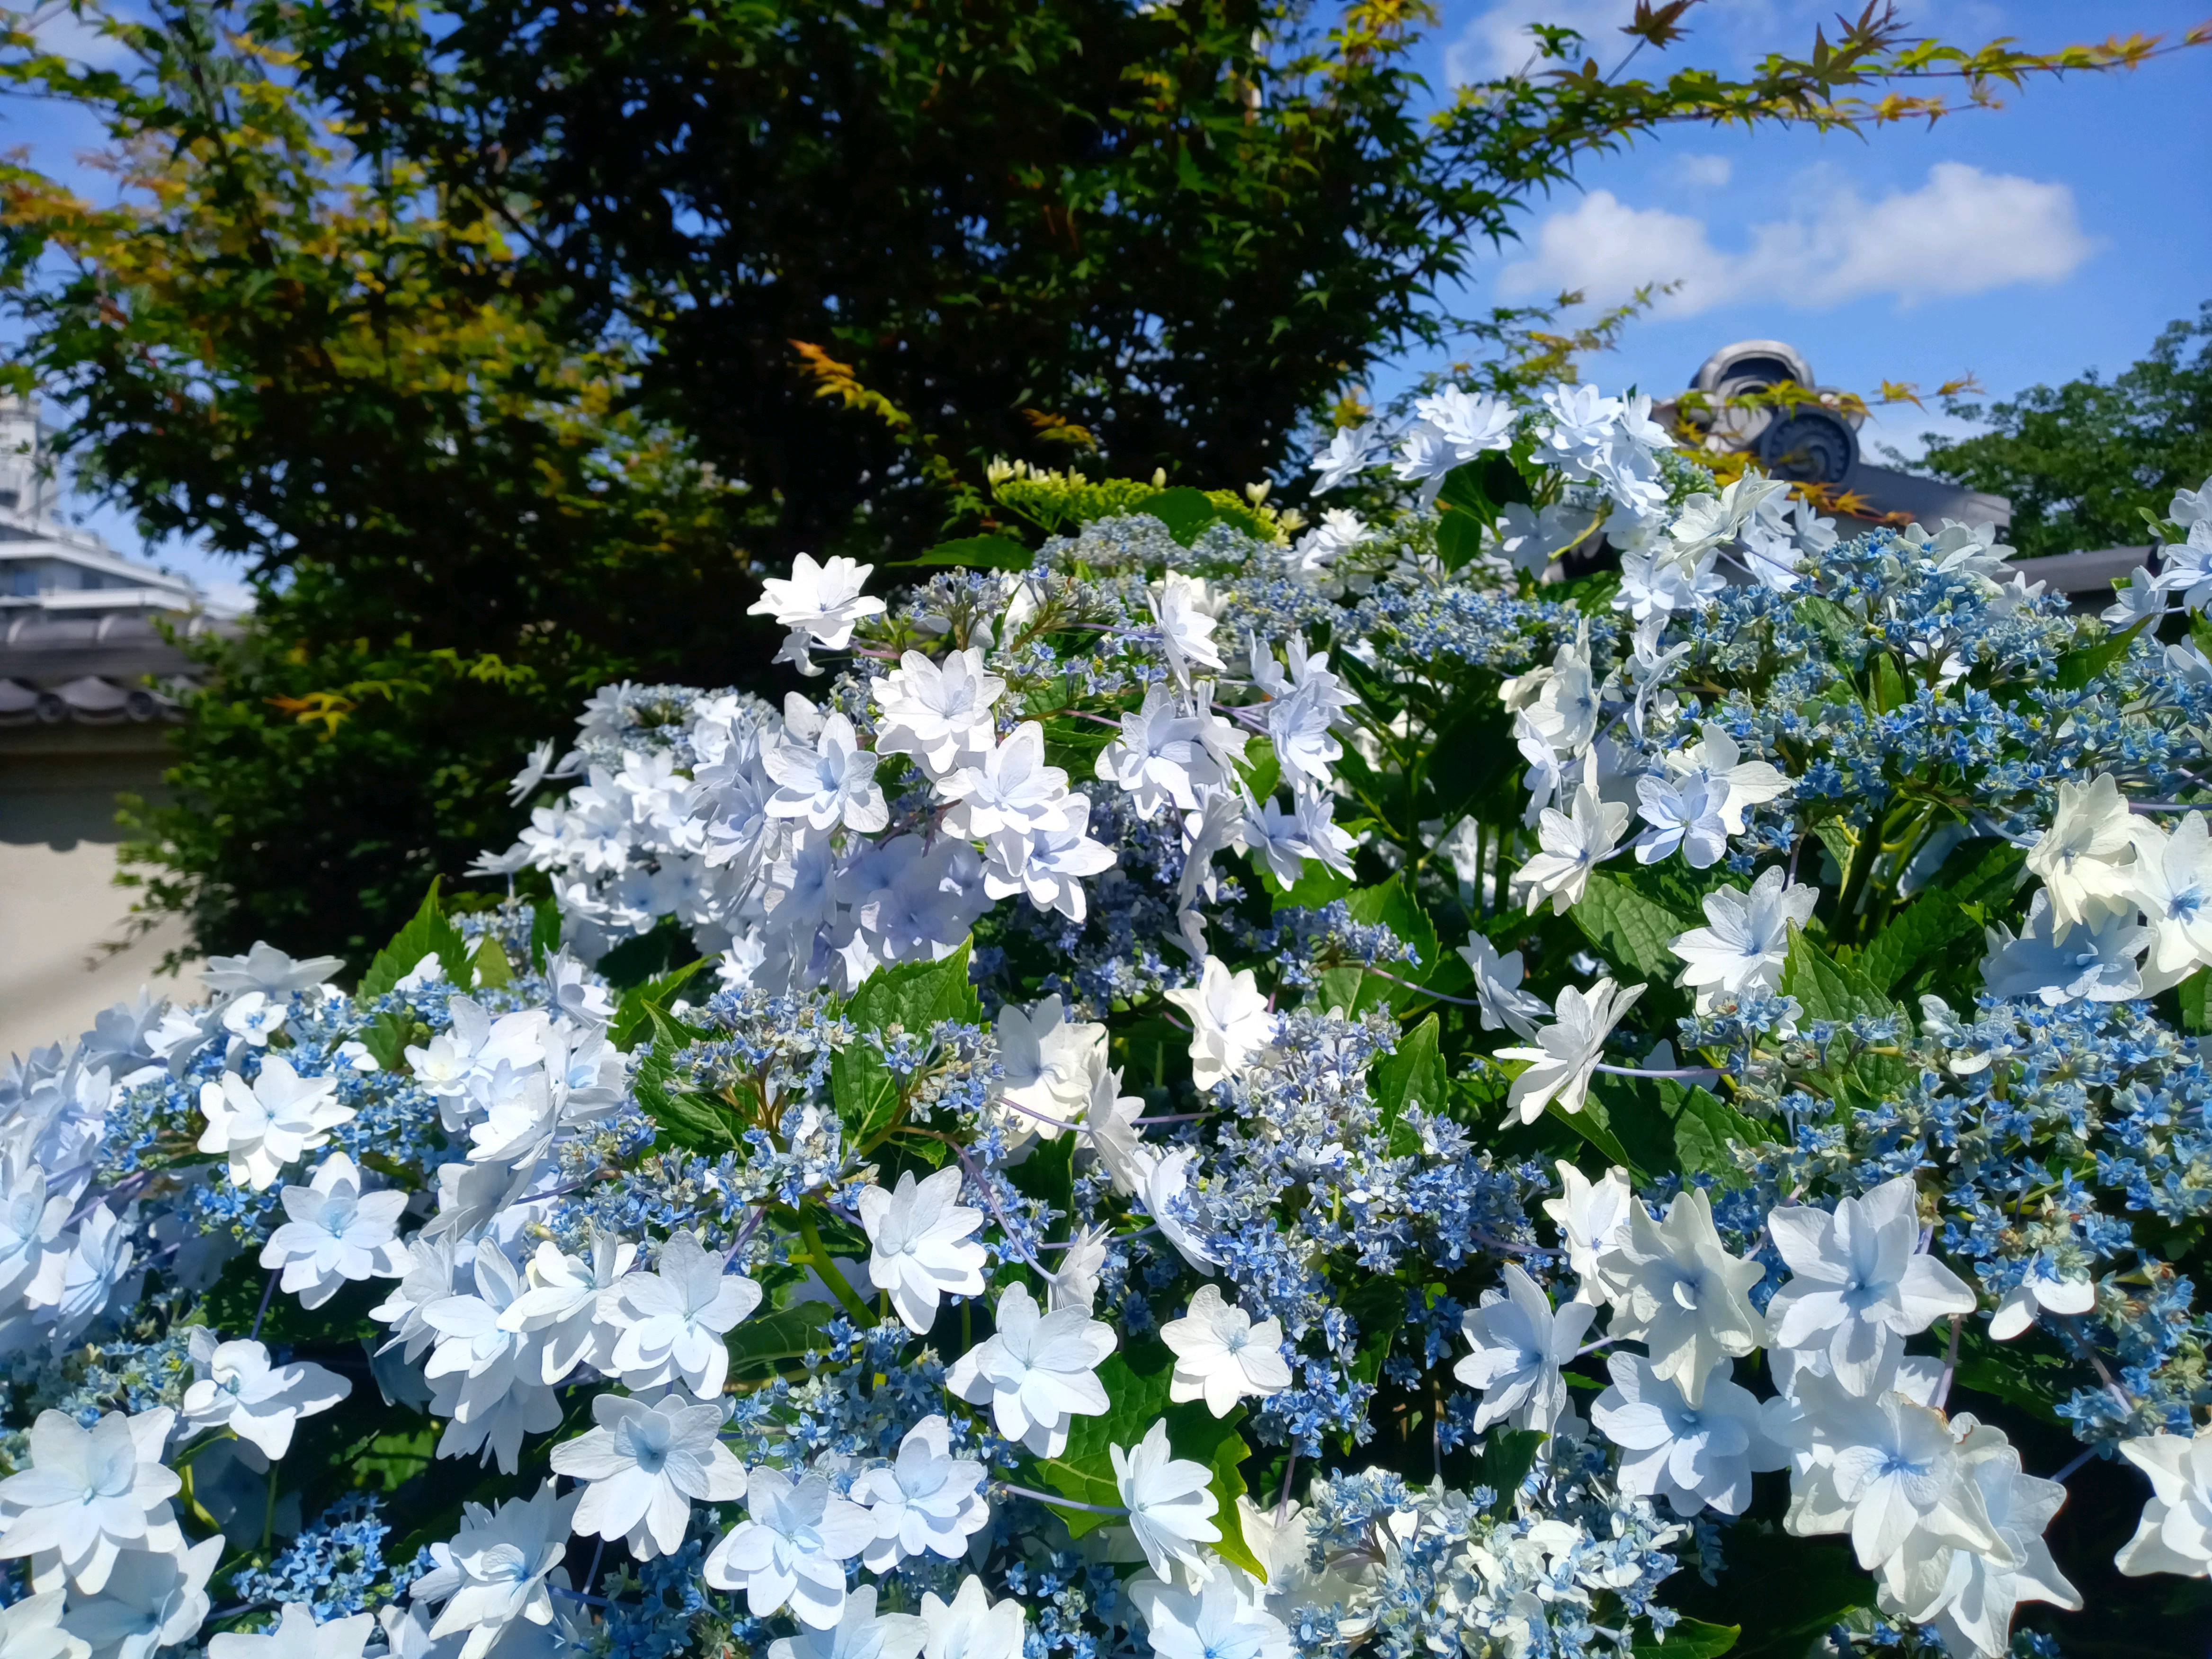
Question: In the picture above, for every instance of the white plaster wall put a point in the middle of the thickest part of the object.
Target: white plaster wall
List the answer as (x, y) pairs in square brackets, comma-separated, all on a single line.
[(59, 910)]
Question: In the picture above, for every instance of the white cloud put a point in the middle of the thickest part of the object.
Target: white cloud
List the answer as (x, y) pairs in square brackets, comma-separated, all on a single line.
[(1703, 172), (1497, 42), (1964, 232)]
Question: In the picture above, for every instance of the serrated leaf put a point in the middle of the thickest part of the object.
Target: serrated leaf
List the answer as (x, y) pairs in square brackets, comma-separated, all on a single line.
[(1183, 510), (1828, 989), (1508, 1455), (1845, 636), (1047, 1174), (428, 933), (1982, 871), (1705, 1125), (1690, 1638), (976, 553), (386, 1036), (1137, 1397), (1376, 1307), (1787, 1591), (1412, 1072), (639, 959), (2079, 669), (1634, 932), (544, 934), (913, 997), (1318, 886), (1593, 1123), (770, 1339), (1393, 985), (689, 1120), (1391, 904), (491, 965), (2018, 1374), (633, 1020), (1227, 1487), (2195, 994), (1926, 925)]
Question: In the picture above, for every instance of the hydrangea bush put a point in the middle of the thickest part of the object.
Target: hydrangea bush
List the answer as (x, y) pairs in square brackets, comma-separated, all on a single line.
[(1215, 1087)]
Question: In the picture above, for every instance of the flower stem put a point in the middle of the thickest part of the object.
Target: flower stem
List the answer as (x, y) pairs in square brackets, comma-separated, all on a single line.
[(827, 1269), (1056, 1500)]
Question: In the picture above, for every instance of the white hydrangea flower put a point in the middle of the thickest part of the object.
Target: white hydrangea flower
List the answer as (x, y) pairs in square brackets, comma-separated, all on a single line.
[(1047, 1063), (153, 1599), (675, 1319), (30, 1223), (31, 1628), (1592, 1217), (1221, 1356), (1037, 1371), (1181, 603), (267, 969), (1858, 1287), (821, 601), (560, 1307), (645, 1465), (1497, 988), (1890, 1472), (1572, 844), (1165, 1192), (337, 1234), (2087, 857), (829, 782), (1675, 1288), (1695, 1456), (1746, 939), (90, 1495), (1970, 1595), (1222, 1619), (295, 1635), (792, 1548), (2099, 960), (2042, 1289), (2173, 885), (1170, 1509), (502, 1567), (1229, 1021), (1521, 1345), (972, 1625), (2175, 1532), (1567, 1051), (237, 1389), (1158, 758), (264, 1128), (938, 713), (861, 1632), (1009, 790), (1715, 756), (922, 1248), (926, 1501)]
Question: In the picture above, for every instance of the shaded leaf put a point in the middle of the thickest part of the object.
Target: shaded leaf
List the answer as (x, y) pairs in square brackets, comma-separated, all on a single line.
[(977, 553), (1690, 1638), (1630, 929), (490, 964), (1508, 1455), (633, 1020), (1412, 1073), (428, 933)]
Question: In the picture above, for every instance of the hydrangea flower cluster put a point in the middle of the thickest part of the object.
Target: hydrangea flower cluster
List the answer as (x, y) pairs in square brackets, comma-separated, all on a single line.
[(1224, 1089)]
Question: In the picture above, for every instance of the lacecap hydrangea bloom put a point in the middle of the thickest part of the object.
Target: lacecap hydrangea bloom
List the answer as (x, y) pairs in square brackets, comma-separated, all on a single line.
[(1205, 1085)]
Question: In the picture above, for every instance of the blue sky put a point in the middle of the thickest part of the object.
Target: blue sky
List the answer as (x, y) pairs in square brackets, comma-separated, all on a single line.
[(2020, 245)]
